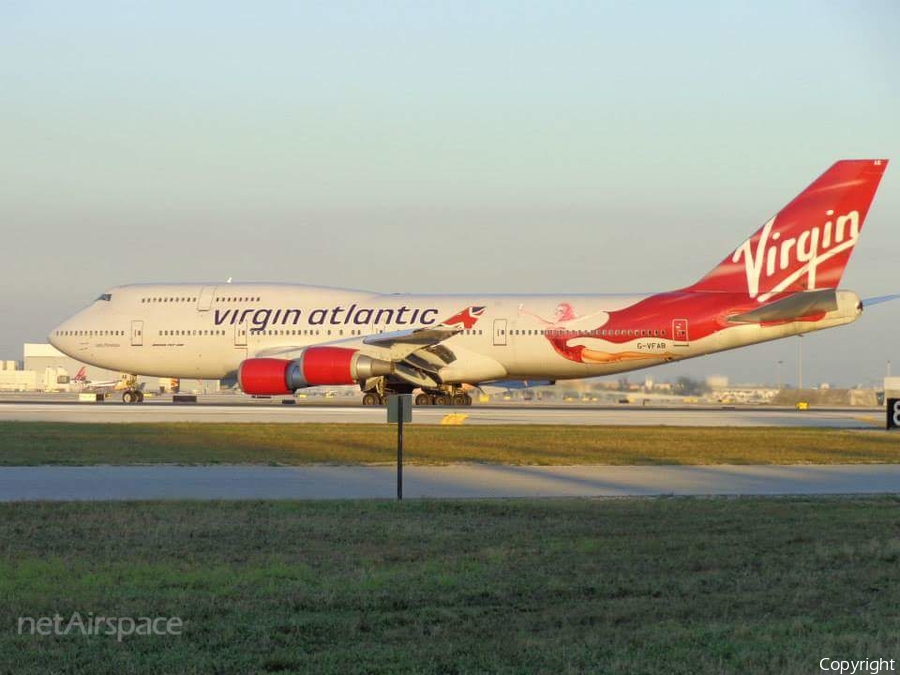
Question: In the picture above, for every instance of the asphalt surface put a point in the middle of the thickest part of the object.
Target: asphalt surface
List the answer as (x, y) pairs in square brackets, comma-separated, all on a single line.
[(64, 483), (461, 481), (64, 410)]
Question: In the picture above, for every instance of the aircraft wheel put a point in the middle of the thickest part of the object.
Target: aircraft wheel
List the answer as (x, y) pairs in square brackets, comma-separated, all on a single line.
[(128, 397), (468, 399), (370, 398), (459, 399), (140, 396), (441, 399), (423, 399)]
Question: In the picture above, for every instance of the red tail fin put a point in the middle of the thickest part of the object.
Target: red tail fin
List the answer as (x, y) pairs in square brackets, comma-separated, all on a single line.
[(80, 375), (808, 243)]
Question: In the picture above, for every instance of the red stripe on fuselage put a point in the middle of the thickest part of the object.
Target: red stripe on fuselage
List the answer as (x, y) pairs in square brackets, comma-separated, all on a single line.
[(706, 313)]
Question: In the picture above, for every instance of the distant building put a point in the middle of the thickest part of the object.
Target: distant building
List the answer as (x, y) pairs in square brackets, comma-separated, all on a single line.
[(892, 387), (717, 381), (48, 369), (54, 370), (14, 379)]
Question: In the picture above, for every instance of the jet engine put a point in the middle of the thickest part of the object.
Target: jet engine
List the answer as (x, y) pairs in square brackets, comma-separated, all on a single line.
[(315, 366)]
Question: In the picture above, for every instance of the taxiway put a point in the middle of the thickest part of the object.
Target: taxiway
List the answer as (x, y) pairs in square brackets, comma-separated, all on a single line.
[(159, 411), (59, 483)]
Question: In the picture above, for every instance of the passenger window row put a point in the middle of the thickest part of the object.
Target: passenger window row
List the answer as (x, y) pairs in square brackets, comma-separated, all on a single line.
[(90, 333), (295, 331), (597, 332), (200, 333), (168, 299), (188, 299)]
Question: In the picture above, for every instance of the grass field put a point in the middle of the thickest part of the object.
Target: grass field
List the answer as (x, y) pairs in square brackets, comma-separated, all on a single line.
[(625, 586), (28, 443)]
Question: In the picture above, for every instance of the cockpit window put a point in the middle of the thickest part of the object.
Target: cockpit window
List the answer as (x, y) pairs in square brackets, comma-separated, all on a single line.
[(106, 297)]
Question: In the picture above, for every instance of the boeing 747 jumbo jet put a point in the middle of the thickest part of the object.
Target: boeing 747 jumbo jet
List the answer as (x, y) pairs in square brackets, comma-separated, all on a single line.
[(277, 338)]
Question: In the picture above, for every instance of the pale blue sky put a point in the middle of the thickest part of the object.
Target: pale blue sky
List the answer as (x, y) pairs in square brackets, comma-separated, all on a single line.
[(457, 146)]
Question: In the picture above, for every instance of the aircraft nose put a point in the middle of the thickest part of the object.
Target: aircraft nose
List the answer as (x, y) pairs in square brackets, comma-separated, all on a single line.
[(53, 338), (57, 337)]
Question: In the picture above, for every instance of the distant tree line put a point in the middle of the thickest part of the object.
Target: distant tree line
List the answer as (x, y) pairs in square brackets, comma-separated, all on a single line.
[(686, 386)]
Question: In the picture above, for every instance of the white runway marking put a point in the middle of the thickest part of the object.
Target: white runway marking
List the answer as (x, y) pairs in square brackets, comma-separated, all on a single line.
[(63, 483)]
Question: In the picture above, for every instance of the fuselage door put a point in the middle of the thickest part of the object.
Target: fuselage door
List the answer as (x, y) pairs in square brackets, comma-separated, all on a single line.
[(137, 333), (240, 334), (500, 332), (204, 302), (680, 336)]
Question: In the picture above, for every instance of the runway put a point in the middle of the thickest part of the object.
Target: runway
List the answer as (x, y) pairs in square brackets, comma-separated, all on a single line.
[(159, 411), (95, 483)]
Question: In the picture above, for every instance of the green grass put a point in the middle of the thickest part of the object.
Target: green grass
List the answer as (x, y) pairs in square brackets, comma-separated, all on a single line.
[(30, 443), (625, 586)]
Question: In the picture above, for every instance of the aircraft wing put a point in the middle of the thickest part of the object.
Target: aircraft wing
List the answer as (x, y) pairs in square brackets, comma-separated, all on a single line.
[(399, 343), (417, 354), (416, 337)]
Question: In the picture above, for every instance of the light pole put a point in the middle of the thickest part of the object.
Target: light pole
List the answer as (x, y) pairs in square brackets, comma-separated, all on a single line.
[(800, 364), (778, 365)]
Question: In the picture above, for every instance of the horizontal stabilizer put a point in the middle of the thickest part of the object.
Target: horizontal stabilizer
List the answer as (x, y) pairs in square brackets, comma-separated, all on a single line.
[(791, 308)]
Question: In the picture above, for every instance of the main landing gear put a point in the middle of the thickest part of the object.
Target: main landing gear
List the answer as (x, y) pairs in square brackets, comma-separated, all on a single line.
[(439, 397)]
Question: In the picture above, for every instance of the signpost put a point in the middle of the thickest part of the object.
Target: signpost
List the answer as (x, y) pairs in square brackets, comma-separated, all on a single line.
[(892, 401), (893, 413), (399, 410)]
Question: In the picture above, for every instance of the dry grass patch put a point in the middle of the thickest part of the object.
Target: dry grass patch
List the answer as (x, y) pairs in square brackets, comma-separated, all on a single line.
[(31, 443)]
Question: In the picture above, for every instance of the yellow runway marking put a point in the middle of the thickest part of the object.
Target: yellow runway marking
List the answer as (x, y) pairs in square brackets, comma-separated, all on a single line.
[(454, 418), (870, 420)]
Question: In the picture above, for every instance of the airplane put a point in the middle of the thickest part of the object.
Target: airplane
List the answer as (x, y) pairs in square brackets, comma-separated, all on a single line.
[(276, 339), (82, 379), (125, 382)]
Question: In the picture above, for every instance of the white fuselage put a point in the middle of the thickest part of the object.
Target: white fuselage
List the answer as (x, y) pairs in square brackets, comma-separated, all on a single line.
[(206, 331)]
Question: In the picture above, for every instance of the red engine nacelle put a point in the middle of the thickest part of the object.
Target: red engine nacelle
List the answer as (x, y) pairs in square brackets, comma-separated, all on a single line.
[(264, 376), (329, 365), (315, 366)]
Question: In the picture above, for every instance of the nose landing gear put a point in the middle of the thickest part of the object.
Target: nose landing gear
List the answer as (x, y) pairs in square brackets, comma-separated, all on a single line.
[(132, 394)]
